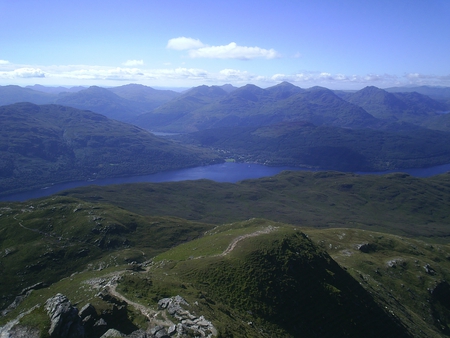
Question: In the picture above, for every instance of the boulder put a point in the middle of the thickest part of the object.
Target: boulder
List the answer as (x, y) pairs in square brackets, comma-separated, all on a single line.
[(112, 333), (64, 318)]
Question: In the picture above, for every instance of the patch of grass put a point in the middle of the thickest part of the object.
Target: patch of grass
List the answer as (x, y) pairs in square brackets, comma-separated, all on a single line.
[(400, 272)]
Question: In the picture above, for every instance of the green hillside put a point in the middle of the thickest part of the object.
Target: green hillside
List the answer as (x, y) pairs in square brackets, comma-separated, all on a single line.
[(340, 270), (46, 240), (255, 278), (395, 203)]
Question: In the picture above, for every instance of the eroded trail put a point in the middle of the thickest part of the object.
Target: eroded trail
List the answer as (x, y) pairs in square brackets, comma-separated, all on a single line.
[(235, 241), (150, 313)]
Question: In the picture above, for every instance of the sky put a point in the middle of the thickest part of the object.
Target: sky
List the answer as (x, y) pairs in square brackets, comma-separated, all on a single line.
[(345, 44)]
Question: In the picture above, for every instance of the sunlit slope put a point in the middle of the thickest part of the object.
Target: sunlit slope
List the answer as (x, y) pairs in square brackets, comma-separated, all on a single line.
[(48, 239), (408, 277), (260, 278), (396, 203)]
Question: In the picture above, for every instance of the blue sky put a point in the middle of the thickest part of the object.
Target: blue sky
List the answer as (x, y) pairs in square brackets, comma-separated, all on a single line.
[(345, 44)]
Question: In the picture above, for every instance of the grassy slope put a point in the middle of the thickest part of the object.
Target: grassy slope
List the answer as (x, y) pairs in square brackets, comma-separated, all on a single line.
[(393, 269), (45, 240), (280, 280), (396, 203)]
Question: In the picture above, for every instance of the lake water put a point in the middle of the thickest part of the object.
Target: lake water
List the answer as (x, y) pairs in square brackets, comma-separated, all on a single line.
[(225, 172)]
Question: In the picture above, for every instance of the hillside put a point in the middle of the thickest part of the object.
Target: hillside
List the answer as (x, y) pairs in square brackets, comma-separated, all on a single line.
[(409, 107), (13, 94), (174, 111), (255, 278), (41, 145), (128, 250), (396, 203), (101, 101), (344, 149)]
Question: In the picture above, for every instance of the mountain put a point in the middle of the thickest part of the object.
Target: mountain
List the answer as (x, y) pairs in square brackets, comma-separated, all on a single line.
[(14, 94), (283, 90), (55, 90), (41, 145), (173, 111), (437, 93), (366, 256), (320, 105), (408, 107), (228, 88), (253, 106), (148, 97), (333, 148), (102, 101)]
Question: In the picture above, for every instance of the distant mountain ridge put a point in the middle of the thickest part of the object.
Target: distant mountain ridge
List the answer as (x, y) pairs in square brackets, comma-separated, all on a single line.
[(250, 105), (207, 107), (122, 103)]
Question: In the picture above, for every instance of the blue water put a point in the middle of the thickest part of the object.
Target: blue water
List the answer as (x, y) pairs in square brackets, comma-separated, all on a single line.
[(225, 172)]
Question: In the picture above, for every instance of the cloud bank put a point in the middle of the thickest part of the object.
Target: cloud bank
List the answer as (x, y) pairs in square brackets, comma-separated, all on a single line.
[(136, 72), (197, 49)]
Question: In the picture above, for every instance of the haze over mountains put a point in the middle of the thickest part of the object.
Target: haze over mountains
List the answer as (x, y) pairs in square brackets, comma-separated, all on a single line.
[(206, 107), (367, 130)]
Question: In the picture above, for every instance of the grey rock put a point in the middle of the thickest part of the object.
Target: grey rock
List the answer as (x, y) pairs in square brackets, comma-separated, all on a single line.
[(162, 334), (172, 330), (20, 331), (155, 329), (112, 333), (64, 318), (429, 270), (101, 322), (87, 310), (163, 303)]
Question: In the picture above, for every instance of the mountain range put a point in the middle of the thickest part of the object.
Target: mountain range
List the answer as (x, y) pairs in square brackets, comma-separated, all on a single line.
[(206, 107), (367, 130)]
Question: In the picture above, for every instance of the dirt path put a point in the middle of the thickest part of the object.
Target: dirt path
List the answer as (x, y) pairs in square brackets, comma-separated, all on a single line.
[(235, 241), (146, 311)]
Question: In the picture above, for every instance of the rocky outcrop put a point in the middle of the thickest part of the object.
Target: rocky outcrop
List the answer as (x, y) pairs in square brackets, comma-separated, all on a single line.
[(64, 318), (197, 326)]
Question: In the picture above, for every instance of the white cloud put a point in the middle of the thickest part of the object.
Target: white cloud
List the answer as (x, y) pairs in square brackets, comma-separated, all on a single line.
[(4, 62), (183, 43), (235, 75), (233, 51), (133, 63), (26, 72), (197, 49)]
